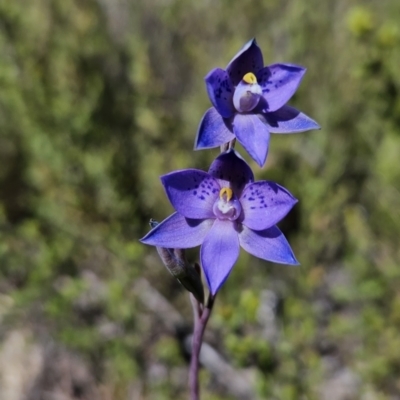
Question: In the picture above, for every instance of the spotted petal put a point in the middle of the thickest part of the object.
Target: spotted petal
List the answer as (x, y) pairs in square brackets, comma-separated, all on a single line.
[(253, 134), (213, 131), (278, 83), (248, 59), (178, 232), (218, 253), (288, 120), (192, 192), (220, 91), (231, 171), (264, 204), (269, 244)]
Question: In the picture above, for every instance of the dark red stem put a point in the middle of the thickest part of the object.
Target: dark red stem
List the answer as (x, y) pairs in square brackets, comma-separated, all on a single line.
[(200, 323)]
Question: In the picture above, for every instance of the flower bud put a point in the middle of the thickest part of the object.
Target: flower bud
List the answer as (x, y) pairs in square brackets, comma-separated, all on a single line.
[(174, 260)]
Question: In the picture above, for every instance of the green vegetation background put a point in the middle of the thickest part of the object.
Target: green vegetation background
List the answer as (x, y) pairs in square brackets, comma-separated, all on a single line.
[(98, 98)]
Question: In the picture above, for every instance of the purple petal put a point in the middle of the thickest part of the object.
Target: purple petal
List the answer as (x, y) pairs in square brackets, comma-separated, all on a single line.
[(278, 83), (269, 244), (192, 192), (219, 252), (289, 120), (264, 204), (253, 134), (248, 59), (220, 91), (178, 232), (213, 131), (231, 171)]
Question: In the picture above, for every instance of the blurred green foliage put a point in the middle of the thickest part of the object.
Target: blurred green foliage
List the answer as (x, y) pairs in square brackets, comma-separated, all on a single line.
[(99, 98)]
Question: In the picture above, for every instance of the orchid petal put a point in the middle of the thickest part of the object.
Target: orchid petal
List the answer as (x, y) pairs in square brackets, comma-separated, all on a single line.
[(278, 83), (269, 244), (213, 131), (220, 91), (231, 171), (289, 120), (264, 204), (178, 232), (218, 253), (254, 136), (192, 192), (248, 59)]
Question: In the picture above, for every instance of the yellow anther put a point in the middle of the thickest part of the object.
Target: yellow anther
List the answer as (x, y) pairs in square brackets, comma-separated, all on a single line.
[(250, 78), (227, 192)]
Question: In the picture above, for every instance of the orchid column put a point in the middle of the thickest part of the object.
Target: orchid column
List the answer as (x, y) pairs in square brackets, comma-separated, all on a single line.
[(224, 209)]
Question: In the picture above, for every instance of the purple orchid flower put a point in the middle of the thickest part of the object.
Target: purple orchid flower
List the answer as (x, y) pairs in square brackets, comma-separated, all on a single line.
[(250, 103), (223, 210)]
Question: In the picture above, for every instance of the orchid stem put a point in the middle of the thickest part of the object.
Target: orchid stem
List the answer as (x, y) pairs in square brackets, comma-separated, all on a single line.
[(201, 317)]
